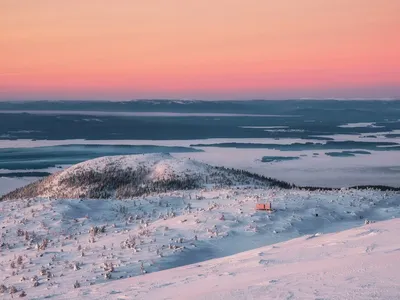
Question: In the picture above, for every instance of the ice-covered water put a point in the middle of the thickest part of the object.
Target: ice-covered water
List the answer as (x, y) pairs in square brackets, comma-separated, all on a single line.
[(330, 138)]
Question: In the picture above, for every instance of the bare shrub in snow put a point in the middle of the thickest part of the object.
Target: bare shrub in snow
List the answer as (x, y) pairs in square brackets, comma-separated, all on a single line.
[(108, 267), (142, 270), (43, 271), (12, 290), (129, 243), (95, 230), (44, 244), (76, 266)]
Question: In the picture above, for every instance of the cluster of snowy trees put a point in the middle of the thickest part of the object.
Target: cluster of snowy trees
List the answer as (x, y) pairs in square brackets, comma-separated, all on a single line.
[(235, 176)]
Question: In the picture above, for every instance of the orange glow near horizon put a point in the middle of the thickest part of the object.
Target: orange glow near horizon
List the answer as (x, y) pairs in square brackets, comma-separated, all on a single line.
[(219, 49)]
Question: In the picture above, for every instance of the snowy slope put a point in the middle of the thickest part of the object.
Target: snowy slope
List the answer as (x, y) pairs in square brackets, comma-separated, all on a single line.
[(163, 231), (361, 263), (122, 249), (133, 175)]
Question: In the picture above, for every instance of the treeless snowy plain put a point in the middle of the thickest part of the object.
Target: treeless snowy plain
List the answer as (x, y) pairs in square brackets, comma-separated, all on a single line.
[(192, 244)]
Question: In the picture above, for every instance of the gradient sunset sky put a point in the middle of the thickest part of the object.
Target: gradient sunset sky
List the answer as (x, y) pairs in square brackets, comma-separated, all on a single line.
[(202, 49)]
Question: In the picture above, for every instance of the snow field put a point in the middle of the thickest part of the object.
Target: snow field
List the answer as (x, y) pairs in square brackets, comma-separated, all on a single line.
[(47, 245)]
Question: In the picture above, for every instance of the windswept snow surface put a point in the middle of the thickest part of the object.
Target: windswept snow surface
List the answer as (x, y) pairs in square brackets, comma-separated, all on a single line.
[(361, 263), (133, 248), (49, 244)]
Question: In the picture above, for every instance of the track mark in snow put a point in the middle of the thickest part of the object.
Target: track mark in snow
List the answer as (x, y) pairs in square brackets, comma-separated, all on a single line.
[(273, 281), (290, 296), (161, 285), (267, 262), (227, 274), (393, 250), (370, 248), (368, 232), (261, 254)]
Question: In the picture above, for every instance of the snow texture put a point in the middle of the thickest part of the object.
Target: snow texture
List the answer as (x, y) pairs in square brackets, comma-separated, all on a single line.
[(200, 243)]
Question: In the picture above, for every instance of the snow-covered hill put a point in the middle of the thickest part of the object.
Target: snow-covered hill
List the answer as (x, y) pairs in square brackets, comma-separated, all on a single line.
[(134, 175)]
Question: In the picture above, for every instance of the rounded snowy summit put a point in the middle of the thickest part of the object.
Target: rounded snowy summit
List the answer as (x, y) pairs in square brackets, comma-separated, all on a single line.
[(128, 176)]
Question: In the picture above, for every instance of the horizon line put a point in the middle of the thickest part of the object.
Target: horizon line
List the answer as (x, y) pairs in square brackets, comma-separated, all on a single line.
[(204, 100)]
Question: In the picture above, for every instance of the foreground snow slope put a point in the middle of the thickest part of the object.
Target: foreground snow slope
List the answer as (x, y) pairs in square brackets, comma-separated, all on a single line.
[(46, 245), (361, 263)]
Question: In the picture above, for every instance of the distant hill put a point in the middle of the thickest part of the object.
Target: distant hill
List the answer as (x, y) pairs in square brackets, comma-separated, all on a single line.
[(135, 175)]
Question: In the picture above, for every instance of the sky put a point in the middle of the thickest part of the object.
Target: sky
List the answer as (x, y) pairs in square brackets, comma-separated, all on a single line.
[(199, 49)]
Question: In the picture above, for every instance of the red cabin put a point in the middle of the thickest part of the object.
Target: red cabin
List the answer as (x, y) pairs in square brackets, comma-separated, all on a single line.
[(267, 206)]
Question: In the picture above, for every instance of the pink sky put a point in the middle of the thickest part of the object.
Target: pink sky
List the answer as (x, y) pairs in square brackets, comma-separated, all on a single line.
[(219, 49)]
